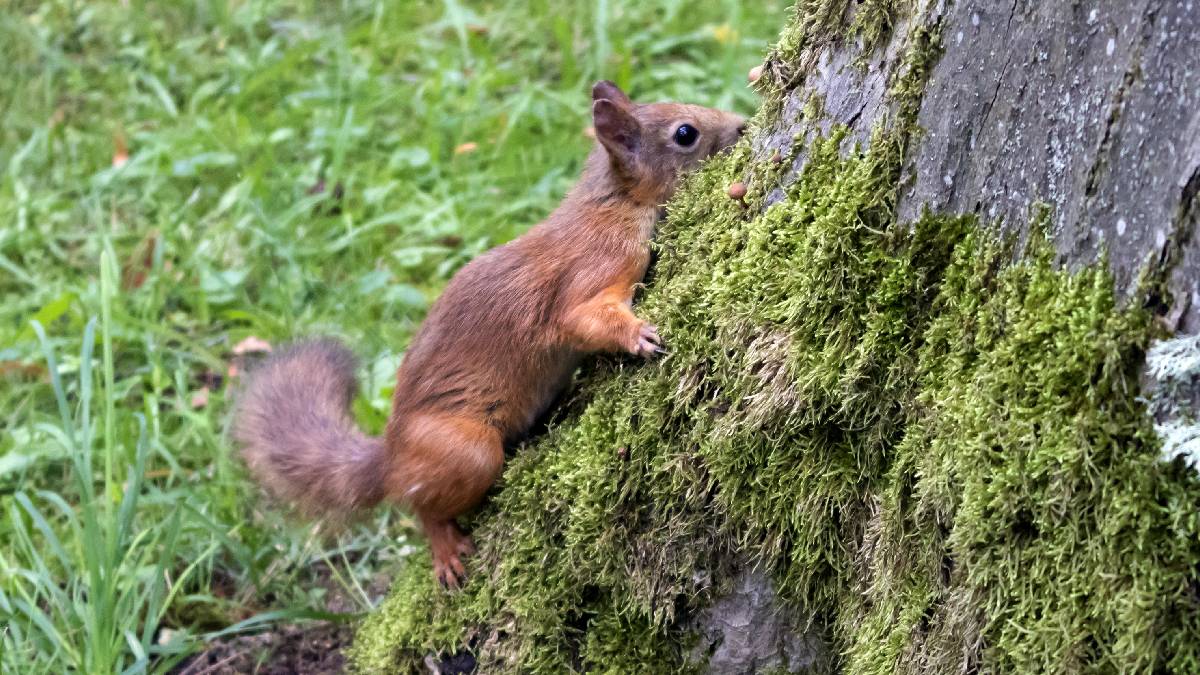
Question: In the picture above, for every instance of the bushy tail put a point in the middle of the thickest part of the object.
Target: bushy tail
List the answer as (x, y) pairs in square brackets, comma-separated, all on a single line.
[(293, 423)]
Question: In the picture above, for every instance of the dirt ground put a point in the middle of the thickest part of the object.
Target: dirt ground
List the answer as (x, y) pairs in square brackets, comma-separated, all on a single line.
[(314, 649)]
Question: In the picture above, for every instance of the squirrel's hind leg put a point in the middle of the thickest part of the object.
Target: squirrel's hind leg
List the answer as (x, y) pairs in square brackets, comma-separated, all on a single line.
[(448, 463)]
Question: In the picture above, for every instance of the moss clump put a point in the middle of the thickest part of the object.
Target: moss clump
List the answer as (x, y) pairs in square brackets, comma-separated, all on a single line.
[(1026, 510), (818, 24), (939, 455), (937, 452)]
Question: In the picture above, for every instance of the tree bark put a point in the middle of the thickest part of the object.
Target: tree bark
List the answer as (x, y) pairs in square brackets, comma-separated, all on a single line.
[(1092, 108)]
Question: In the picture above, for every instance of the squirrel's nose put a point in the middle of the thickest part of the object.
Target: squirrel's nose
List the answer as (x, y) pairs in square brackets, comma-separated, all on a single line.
[(741, 130)]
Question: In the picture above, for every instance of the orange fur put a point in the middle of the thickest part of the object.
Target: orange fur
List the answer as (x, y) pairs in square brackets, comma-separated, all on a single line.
[(505, 336)]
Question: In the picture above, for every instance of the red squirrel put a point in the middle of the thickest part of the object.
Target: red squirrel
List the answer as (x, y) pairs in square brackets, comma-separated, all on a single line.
[(497, 347)]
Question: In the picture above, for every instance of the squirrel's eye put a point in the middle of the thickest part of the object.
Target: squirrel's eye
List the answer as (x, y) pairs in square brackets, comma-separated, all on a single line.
[(686, 134)]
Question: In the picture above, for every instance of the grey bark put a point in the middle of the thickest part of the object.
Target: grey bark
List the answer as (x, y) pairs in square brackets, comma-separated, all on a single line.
[(748, 631), (1092, 108)]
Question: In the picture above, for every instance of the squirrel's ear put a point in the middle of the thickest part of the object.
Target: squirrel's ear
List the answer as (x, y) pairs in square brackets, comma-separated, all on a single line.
[(610, 91), (616, 128)]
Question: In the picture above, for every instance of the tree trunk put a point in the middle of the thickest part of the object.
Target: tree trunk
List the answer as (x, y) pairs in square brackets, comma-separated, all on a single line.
[(922, 410), (1092, 108)]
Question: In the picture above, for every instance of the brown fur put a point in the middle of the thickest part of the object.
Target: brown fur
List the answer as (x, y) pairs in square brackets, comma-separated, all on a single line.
[(497, 346), (297, 436)]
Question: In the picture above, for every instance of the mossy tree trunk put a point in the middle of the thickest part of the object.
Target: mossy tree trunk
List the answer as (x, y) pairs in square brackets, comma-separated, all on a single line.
[(1090, 108), (903, 425)]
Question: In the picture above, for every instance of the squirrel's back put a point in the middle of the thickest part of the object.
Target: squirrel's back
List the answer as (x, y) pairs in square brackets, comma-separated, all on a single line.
[(487, 349)]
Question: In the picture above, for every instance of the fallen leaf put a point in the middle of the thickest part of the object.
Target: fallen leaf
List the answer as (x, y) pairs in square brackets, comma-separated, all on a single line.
[(138, 267), (120, 150), (18, 370), (200, 397), (251, 345), (463, 149), (333, 204)]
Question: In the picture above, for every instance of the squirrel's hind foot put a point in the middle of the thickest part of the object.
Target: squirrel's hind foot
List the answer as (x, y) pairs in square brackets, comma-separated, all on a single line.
[(449, 545)]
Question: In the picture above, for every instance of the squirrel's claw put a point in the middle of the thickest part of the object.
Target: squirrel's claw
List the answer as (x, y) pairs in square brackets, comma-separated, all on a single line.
[(648, 343), (449, 572), (448, 568)]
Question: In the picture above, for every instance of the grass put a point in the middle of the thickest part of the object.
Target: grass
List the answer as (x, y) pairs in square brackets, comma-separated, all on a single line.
[(177, 177)]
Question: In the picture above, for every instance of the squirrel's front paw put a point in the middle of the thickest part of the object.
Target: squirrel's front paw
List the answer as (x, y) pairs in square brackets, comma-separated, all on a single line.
[(646, 342)]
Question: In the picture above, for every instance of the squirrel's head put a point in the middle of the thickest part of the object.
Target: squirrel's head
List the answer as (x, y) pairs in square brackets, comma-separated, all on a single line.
[(649, 145)]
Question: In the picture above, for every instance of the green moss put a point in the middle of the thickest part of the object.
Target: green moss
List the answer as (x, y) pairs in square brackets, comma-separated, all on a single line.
[(937, 452), (817, 24), (873, 20), (814, 108), (1028, 482)]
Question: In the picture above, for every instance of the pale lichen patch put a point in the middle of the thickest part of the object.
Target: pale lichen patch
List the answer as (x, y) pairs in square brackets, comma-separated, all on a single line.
[(1173, 367)]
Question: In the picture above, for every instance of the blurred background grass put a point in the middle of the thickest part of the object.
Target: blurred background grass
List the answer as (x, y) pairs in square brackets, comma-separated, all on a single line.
[(176, 177)]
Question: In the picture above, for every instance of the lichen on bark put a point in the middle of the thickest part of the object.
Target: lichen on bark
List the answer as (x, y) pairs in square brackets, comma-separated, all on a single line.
[(932, 441)]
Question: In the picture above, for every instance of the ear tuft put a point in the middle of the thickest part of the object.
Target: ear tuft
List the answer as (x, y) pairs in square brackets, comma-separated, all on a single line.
[(605, 89)]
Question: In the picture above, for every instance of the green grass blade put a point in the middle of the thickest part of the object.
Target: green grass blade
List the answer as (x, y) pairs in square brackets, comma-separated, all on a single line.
[(39, 522), (60, 395)]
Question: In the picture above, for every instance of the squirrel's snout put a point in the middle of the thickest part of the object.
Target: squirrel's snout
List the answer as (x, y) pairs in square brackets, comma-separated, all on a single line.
[(734, 128)]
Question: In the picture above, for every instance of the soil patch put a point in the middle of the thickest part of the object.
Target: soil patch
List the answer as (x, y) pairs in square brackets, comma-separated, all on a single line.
[(313, 649)]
